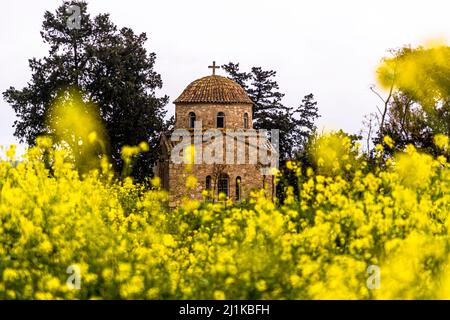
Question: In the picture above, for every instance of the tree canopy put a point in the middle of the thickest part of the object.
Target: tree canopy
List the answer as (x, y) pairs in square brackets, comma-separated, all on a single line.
[(295, 124), (110, 66)]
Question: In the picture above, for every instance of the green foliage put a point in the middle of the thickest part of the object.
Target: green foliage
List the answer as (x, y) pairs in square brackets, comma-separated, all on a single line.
[(114, 70), (295, 125)]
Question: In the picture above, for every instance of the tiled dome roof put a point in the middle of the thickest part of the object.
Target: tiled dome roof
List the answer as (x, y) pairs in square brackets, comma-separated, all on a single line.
[(213, 89)]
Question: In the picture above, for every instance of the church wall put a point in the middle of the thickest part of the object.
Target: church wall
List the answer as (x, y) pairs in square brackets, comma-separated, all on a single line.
[(175, 175)]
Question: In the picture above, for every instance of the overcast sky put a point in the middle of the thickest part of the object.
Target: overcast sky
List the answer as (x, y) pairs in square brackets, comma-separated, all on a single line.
[(325, 47)]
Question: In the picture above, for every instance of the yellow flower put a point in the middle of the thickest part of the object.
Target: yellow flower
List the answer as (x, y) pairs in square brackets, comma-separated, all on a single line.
[(10, 275), (261, 285), (441, 141), (388, 141), (156, 182), (290, 165), (191, 182), (153, 293), (295, 280), (168, 240), (92, 137), (11, 152), (46, 247), (219, 295), (143, 146)]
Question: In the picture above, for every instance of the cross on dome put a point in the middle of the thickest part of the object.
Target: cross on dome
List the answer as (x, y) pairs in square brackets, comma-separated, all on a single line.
[(214, 67)]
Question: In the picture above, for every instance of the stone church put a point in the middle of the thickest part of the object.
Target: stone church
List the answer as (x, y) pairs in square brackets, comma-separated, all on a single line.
[(215, 104)]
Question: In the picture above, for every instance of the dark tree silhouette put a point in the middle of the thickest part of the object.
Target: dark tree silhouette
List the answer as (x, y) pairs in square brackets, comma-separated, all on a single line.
[(112, 69), (295, 125)]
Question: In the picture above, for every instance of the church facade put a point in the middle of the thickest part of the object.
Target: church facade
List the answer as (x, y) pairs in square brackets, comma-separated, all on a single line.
[(213, 121)]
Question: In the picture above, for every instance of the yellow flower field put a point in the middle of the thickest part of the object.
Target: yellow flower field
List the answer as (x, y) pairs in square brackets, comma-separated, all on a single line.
[(354, 234)]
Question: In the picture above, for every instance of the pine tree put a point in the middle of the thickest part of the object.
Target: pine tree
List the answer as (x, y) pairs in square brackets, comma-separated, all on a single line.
[(110, 66), (295, 125)]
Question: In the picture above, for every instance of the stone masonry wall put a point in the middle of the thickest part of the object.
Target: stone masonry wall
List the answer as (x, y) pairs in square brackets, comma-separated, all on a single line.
[(207, 113), (251, 179)]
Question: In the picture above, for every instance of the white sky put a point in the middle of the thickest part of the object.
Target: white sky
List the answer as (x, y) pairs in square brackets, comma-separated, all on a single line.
[(329, 48)]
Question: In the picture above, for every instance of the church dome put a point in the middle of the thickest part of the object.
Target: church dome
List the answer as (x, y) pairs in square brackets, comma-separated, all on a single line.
[(214, 89)]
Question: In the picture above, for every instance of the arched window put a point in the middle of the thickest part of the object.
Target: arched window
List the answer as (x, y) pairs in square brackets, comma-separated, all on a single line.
[(238, 188), (221, 120), (222, 185), (208, 188), (208, 183), (246, 120), (192, 118)]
